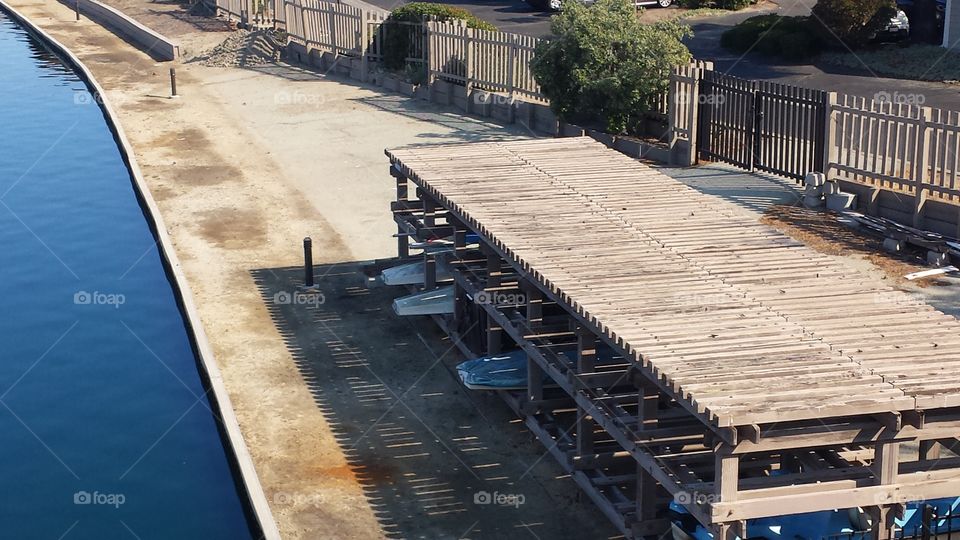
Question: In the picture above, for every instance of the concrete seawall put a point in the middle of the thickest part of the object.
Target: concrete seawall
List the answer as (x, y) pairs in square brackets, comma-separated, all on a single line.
[(153, 43), (235, 446)]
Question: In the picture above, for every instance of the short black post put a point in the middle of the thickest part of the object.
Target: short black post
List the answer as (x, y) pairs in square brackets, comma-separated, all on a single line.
[(308, 262), (926, 521), (173, 82), (76, 8)]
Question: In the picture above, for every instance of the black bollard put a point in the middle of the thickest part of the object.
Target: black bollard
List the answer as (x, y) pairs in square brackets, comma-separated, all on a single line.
[(76, 8), (308, 262), (173, 82)]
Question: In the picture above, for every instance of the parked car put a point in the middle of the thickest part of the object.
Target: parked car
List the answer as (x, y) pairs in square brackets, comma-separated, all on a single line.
[(898, 28), (554, 5)]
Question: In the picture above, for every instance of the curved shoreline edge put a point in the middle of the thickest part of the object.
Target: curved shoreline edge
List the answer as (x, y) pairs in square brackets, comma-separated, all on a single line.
[(237, 452)]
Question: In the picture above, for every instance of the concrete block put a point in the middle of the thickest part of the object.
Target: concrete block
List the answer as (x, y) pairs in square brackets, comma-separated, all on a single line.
[(838, 202), (603, 137), (405, 88), (831, 188), (815, 179), (812, 202), (813, 191), (893, 245), (391, 83), (935, 258)]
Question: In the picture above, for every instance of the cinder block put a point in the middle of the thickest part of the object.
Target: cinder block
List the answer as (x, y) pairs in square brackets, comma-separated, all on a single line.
[(811, 201), (838, 202), (815, 179), (893, 245), (935, 258), (813, 191), (831, 188)]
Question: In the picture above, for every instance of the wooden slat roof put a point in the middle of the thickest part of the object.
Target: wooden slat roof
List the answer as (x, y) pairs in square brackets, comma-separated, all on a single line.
[(743, 322)]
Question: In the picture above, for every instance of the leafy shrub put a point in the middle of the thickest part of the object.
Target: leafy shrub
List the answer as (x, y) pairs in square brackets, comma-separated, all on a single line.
[(790, 38), (604, 65), (732, 5), (851, 23), (399, 39)]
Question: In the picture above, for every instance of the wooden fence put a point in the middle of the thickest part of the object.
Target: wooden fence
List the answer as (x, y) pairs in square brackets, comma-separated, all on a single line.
[(900, 147)]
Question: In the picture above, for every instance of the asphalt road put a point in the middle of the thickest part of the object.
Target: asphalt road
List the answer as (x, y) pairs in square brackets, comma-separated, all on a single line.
[(519, 17), (514, 16)]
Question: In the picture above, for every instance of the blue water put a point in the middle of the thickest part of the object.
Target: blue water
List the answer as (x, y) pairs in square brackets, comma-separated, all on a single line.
[(105, 427)]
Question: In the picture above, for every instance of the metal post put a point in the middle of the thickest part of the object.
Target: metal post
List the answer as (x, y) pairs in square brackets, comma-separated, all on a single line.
[(173, 82), (926, 521), (76, 9), (308, 262)]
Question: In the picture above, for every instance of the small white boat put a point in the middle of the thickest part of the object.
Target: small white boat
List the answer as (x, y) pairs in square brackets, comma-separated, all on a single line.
[(409, 274), (432, 302)]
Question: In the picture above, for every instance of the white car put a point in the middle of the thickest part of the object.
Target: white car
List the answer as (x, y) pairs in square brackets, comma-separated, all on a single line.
[(554, 5)]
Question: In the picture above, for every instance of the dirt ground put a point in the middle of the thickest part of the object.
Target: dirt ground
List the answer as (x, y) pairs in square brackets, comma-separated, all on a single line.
[(354, 420)]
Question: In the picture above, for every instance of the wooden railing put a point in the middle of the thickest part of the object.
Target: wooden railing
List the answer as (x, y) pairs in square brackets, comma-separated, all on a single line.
[(899, 147)]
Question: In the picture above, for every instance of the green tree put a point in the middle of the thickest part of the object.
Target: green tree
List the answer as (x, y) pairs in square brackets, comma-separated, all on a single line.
[(604, 65), (852, 23)]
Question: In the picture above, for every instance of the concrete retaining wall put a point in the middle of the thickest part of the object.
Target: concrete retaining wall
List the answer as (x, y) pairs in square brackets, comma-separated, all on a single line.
[(235, 446), (153, 43)]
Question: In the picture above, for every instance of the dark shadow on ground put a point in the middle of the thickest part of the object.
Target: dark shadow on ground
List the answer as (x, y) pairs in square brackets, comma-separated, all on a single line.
[(424, 448), (755, 192), (465, 127)]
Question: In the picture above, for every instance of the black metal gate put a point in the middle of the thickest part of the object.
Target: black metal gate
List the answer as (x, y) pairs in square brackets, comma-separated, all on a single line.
[(761, 125)]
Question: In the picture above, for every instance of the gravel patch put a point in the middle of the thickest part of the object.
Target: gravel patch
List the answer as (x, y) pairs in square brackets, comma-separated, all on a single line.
[(245, 48)]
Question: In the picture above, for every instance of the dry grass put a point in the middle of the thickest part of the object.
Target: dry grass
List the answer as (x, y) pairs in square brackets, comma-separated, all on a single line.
[(822, 232), (917, 62)]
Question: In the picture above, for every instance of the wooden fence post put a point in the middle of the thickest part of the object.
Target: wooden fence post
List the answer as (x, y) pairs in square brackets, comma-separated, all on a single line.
[(468, 60), (922, 163), (428, 58), (693, 116), (364, 45), (829, 132)]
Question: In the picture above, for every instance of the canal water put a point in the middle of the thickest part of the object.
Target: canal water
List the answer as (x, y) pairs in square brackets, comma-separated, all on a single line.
[(105, 427)]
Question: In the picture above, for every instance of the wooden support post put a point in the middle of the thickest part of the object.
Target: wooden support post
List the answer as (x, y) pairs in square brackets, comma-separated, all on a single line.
[(830, 155), (649, 398), (460, 248), (727, 474), (922, 163), (731, 530), (403, 245), (646, 495), (586, 362), (429, 260), (534, 322), (494, 270), (886, 458), (693, 115)]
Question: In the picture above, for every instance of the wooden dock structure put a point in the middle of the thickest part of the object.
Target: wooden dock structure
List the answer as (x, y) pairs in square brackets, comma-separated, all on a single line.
[(694, 354)]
